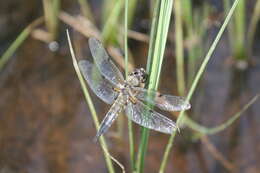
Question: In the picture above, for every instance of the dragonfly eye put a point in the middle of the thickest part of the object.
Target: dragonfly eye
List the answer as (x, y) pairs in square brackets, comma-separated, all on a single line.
[(139, 74)]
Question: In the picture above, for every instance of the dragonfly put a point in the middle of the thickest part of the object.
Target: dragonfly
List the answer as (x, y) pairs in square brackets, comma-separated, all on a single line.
[(129, 95)]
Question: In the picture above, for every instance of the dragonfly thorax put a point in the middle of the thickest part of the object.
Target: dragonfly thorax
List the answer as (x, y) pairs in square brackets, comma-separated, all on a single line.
[(137, 77)]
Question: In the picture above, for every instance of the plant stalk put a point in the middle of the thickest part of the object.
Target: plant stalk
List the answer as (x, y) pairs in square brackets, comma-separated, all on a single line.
[(195, 83)]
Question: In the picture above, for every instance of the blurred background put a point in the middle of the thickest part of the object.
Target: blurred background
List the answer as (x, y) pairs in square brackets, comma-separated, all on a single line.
[(46, 125)]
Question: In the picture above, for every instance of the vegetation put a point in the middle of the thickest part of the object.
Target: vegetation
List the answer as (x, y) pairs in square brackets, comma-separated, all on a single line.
[(190, 24)]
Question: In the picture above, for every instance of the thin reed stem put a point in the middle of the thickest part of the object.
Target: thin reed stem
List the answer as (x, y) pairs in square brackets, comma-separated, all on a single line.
[(109, 28), (130, 125), (195, 83), (253, 25), (91, 107), (158, 36), (18, 41), (131, 12), (179, 47), (126, 37), (51, 12), (239, 24)]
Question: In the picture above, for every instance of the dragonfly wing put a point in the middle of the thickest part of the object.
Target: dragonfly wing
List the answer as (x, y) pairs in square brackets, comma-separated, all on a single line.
[(109, 118), (104, 63), (144, 116), (99, 85), (164, 102)]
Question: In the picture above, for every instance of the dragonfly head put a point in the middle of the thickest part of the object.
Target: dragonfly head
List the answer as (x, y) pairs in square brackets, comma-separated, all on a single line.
[(137, 77)]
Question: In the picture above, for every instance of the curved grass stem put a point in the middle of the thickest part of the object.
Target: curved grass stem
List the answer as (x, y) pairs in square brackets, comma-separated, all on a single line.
[(213, 130), (91, 108)]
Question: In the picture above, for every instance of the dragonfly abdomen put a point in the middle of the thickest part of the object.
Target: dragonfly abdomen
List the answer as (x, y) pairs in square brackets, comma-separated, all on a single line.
[(111, 115)]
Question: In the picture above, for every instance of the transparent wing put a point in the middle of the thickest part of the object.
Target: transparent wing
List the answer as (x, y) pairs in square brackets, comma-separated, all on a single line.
[(109, 118), (144, 116), (99, 85), (164, 102), (104, 63)]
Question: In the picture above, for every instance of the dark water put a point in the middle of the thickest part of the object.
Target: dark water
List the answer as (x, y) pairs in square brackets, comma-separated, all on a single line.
[(45, 125)]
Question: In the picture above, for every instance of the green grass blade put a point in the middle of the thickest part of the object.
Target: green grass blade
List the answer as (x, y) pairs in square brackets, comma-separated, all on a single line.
[(210, 131), (110, 27), (91, 107), (130, 125), (159, 32), (51, 12), (18, 42), (179, 47), (239, 24), (153, 37), (196, 81), (126, 38), (231, 26), (132, 10), (208, 56), (145, 132), (253, 25)]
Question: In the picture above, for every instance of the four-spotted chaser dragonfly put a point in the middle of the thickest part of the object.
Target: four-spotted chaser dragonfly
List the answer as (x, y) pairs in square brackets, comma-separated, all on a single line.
[(108, 83)]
